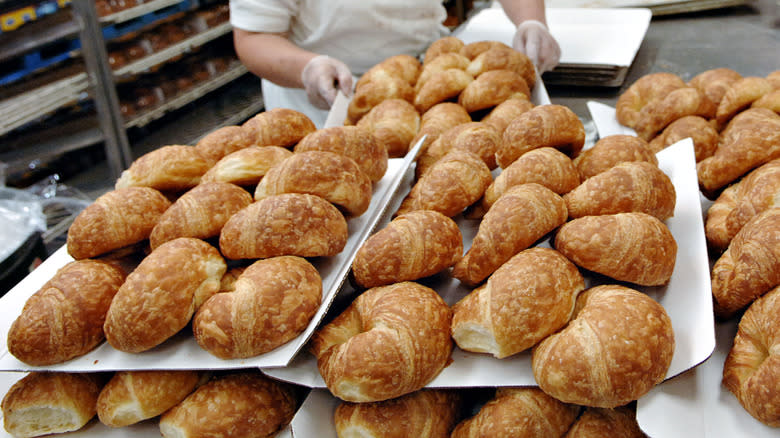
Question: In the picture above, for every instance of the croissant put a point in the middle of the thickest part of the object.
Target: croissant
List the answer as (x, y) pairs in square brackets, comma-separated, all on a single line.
[(601, 422), (658, 114), (611, 150), (441, 86), (751, 139), (130, 397), (503, 58), (354, 142), (545, 125), (713, 85), (412, 246), (491, 88), (774, 79), (526, 299), (428, 413), (332, 176), (520, 413), (634, 247), (381, 82), (405, 67), (282, 127), (245, 403), (394, 123), (751, 366), (117, 219), (740, 95), (770, 101), (64, 318), (628, 186), (442, 62), (453, 183), (616, 348), (736, 205), (200, 212), (440, 118), (246, 167), (273, 302), (171, 168), (476, 137), (519, 218), (286, 224), (391, 341), (500, 116), (447, 44), (546, 166), (223, 141), (749, 266), (160, 296), (704, 135), (643, 91), (474, 49)]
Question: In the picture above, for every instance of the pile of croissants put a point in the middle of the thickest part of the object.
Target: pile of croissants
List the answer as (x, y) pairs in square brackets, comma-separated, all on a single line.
[(218, 238)]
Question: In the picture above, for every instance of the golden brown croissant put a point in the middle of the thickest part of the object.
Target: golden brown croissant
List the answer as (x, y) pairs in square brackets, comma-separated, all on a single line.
[(774, 79), (404, 67), (628, 186), (438, 119), (643, 91), (658, 114), (611, 150), (520, 217), (453, 183), (200, 212), (64, 318), (504, 58), (491, 88), (223, 141), (442, 86), (394, 123), (474, 49), (427, 413), (545, 125), (704, 135), (752, 365), (287, 224), (500, 116), (447, 44), (713, 84), (245, 403), (412, 246), (770, 101), (737, 204), (391, 341), (476, 137), (377, 85), (522, 412), (751, 139), (526, 299), (246, 167), (171, 168), (117, 219), (740, 95), (282, 127), (43, 403), (332, 176), (603, 422), (750, 266), (617, 347), (442, 62), (273, 302), (351, 141), (634, 247), (133, 396), (160, 296), (546, 166)]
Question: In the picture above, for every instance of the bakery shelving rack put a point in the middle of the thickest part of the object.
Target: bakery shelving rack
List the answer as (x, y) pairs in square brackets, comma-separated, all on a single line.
[(81, 77)]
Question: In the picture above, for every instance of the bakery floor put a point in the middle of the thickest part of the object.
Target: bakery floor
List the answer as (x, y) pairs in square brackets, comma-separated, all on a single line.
[(744, 38)]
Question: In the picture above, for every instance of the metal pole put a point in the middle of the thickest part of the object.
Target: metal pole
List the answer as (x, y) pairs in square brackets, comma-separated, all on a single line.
[(93, 47)]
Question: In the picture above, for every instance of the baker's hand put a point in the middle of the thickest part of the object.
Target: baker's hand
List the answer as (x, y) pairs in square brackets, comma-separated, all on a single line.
[(323, 77), (534, 39)]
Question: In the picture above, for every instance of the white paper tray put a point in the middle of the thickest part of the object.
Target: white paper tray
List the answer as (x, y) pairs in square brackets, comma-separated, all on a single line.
[(182, 351), (657, 7)]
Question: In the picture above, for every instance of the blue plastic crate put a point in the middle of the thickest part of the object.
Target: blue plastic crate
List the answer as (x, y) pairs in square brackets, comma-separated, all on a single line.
[(31, 62)]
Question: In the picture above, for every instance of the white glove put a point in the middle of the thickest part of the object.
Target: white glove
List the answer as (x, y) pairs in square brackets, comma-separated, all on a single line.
[(323, 77), (534, 39)]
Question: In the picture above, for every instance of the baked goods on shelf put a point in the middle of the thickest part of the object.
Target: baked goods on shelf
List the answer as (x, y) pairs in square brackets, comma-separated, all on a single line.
[(617, 347), (412, 246), (354, 142), (391, 341)]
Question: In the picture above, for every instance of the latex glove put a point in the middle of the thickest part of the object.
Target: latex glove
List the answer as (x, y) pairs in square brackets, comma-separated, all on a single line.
[(534, 39), (323, 77)]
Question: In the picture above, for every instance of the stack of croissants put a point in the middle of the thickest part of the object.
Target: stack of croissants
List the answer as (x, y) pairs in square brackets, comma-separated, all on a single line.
[(217, 239)]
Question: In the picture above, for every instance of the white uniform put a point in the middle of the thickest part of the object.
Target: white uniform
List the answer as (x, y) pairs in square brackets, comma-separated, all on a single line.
[(360, 33)]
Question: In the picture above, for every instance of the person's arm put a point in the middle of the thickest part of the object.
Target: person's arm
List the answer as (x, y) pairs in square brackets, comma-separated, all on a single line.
[(532, 36), (274, 57)]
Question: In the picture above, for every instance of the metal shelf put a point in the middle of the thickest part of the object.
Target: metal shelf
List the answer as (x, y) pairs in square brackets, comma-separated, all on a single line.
[(32, 105), (135, 12), (39, 33)]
